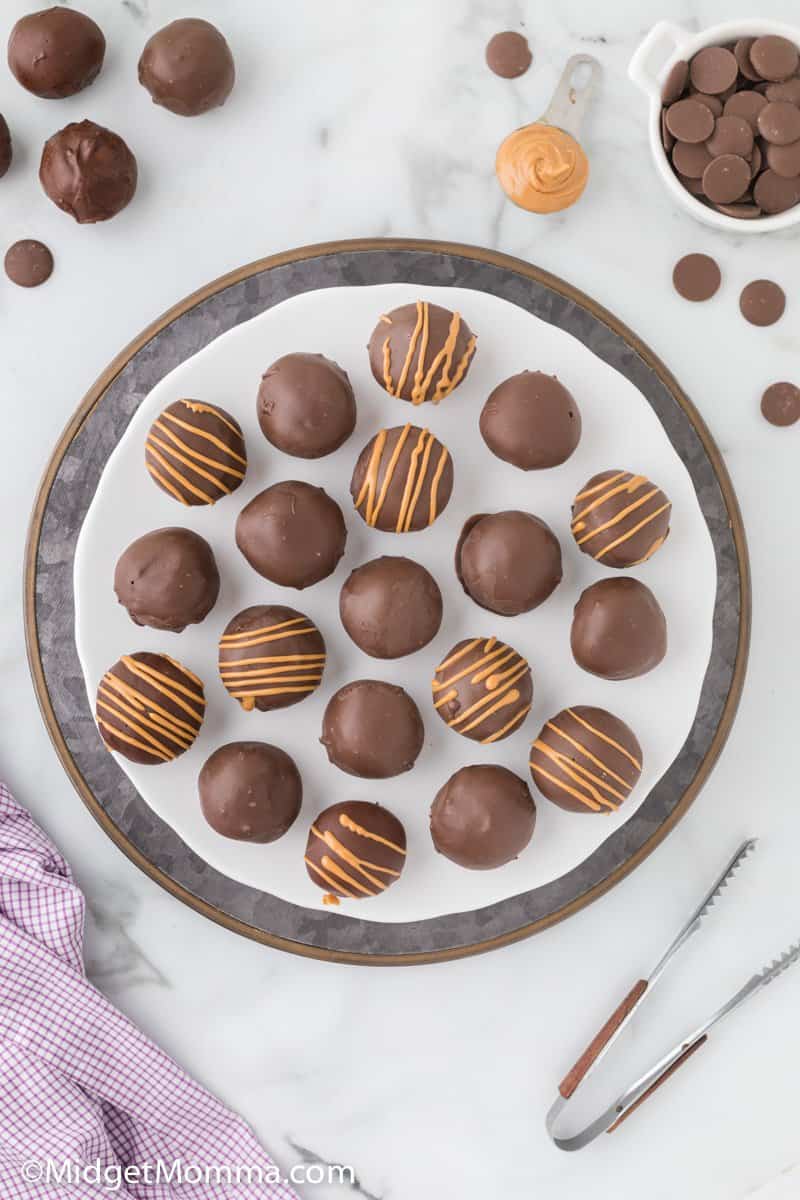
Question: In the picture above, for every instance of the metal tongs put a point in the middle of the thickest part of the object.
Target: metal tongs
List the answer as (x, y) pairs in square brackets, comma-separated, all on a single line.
[(644, 1087)]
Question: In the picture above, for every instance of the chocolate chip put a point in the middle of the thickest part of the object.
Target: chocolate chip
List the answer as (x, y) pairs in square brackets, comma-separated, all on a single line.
[(690, 159), (712, 102), (28, 263), (695, 186), (667, 140), (775, 58), (779, 122), (747, 105), (742, 212), (741, 52), (789, 90), (775, 194), (762, 302), (780, 403), (675, 82), (689, 121), (726, 178), (713, 70), (508, 54), (732, 135), (696, 277), (785, 160)]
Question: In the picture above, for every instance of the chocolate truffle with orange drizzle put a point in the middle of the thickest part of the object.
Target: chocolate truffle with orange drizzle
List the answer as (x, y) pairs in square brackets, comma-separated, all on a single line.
[(271, 657), (196, 452), (149, 708), (586, 760), (620, 519), (483, 689), (421, 351), (355, 849), (402, 480)]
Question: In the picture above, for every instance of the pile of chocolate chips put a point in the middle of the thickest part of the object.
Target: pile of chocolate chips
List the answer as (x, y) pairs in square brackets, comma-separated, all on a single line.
[(730, 126)]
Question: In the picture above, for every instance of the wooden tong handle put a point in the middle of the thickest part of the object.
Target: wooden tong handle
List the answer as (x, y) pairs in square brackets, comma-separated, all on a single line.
[(663, 1077), (598, 1043)]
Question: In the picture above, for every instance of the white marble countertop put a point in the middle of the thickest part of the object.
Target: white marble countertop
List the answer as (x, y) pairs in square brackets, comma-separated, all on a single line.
[(354, 119)]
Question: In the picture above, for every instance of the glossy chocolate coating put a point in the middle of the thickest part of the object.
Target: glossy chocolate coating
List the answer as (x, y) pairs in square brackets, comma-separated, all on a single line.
[(372, 729), (391, 607), (6, 149), (149, 708), (167, 579), (419, 484), (56, 52), (270, 657), (483, 689), (531, 421), (586, 760), (88, 172), (483, 817), (355, 850), (618, 629), (250, 791), (441, 339), (195, 452), (508, 562), (306, 405), (292, 533), (187, 67), (620, 519)]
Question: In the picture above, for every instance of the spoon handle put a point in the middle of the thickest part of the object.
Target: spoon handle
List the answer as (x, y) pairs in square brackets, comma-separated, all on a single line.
[(571, 99)]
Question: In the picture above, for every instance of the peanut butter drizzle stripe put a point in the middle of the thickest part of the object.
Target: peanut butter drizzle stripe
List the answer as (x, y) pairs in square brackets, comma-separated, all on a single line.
[(624, 537), (459, 654), (515, 720), (353, 861), (414, 472), (502, 697), (630, 483), (142, 719), (279, 691), (588, 754), (459, 372), (370, 483), (435, 486), (584, 799), (418, 396), (169, 487), (207, 436), (201, 471), (134, 725), (199, 406), (348, 823), (412, 345), (261, 640), (598, 487), (331, 882), (192, 453), (268, 633), (491, 658), (142, 703), (442, 360), (166, 686), (620, 516), (391, 467), (295, 660), (238, 678), (500, 702), (339, 873), (578, 774), (190, 487), (127, 723), (605, 738), (132, 741)]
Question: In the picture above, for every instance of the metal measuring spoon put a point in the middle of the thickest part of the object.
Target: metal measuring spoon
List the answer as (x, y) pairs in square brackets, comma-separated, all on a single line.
[(542, 166)]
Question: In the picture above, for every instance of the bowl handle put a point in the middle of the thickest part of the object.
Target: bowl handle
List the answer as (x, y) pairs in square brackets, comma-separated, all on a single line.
[(665, 34)]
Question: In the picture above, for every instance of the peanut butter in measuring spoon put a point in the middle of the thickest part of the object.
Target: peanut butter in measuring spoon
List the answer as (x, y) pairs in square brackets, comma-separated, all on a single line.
[(542, 167)]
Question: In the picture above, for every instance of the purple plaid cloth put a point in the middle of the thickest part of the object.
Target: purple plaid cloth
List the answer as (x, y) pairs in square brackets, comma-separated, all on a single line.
[(80, 1086)]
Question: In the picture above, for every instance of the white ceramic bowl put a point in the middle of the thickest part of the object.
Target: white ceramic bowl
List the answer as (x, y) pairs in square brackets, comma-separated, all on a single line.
[(663, 46)]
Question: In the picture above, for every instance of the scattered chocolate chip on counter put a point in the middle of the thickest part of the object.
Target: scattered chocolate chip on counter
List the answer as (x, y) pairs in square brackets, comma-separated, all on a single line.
[(762, 302), (508, 54), (28, 263), (780, 404), (696, 277)]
